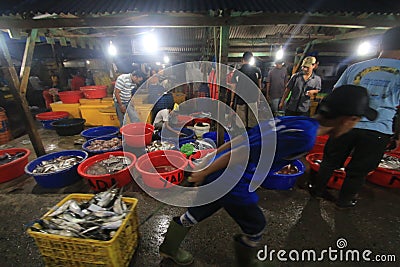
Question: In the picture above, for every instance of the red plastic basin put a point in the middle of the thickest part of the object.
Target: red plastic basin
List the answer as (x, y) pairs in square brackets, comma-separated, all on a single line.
[(154, 167), (94, 91), (137, 134), (320, 144), (105, 181), (53, 115), (70, 97), (337, 178), (184, 119), (14, 168), (198, 155), (386, 177)]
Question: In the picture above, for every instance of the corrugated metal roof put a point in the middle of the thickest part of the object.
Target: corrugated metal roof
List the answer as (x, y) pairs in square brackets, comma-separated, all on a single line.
[(98, 7)]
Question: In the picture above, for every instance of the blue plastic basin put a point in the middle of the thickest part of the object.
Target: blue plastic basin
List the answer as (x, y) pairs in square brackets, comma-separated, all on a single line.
[(213, 136), (171, 137), (100, 131), (95, 152), (56, 179), (284, 181)]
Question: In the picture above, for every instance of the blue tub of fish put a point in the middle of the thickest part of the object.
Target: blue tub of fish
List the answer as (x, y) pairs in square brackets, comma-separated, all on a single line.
[(51, 173), (284, 179), (113, 144), (188, 136), (100, 131), (213, 136)]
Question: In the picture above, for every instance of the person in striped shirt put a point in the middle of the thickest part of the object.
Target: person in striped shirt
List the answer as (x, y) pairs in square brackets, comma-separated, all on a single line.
[(125, 86)]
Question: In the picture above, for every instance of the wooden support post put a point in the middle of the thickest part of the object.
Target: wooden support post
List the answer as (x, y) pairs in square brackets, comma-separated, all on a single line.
[(27, 61), (222, 71), (11, 75)]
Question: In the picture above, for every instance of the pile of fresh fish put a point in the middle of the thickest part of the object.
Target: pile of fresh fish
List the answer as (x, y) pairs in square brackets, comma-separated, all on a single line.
[(160, 145), (99, 218), (111, 144), (390, 162), (7, 158), (108, 166), (57, 164)]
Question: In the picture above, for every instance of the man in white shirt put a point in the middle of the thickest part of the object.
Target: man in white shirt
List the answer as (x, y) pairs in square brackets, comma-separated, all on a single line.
[(126, 86)]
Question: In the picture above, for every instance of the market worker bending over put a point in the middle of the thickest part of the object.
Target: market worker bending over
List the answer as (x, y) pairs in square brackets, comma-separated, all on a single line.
[(126, 86), (295, 136)]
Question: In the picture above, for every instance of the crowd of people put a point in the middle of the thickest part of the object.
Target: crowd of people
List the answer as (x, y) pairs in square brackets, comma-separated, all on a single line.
[(358, 115)]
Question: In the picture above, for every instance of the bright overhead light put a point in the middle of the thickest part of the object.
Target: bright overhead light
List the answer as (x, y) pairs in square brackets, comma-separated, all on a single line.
[(158, 63), (279, 54), (150, 43), (166, 59), (112, 50), (365, 49), (88, 62), (252, 61)]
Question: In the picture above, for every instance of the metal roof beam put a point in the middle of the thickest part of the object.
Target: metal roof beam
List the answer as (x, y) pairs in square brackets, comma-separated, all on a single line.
[(195, 20)]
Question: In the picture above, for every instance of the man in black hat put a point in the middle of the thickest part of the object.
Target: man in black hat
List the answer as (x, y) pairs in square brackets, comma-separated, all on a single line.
[(295, 136), (126, 86), (369, 138)]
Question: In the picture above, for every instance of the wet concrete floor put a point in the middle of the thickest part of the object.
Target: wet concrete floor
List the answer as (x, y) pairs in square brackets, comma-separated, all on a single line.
[(294, 222)]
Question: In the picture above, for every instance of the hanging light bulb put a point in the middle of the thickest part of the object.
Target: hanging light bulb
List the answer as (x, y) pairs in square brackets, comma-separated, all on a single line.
[(279, 54), (112, 50)]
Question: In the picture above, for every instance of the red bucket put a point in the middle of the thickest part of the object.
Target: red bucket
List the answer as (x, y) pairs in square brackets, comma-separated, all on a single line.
[(94, 91), (320, 144), (386, 177), (105, 181), (137, 134), (337, 178), (70, 97), (198, 155), (162, 168), (16, 167), (53, 115)]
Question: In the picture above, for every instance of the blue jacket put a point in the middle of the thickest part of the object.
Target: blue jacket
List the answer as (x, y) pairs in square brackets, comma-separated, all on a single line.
[(295, 136)]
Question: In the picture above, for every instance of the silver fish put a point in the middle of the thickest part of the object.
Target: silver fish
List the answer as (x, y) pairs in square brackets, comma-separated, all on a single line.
[(112, 225), (74, 207), (61, 209)]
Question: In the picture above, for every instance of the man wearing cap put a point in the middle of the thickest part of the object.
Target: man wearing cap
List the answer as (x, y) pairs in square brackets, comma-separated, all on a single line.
[(302, 86), (294, 137), (125, 87), (369, 138), (275, 86)]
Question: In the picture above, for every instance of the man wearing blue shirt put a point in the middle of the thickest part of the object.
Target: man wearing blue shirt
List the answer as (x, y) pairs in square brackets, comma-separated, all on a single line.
[(294, 136), (368, 140)]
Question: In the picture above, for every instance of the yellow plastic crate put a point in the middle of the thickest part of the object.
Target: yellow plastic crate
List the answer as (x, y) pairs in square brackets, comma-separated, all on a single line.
[(85, 101), (78, 252), (144, 112), (109, 117), (107, 100), (72, 109), (92, 114)]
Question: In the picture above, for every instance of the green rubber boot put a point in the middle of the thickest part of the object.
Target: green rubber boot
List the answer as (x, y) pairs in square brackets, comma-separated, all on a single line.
[(173, 239), (247, 256)]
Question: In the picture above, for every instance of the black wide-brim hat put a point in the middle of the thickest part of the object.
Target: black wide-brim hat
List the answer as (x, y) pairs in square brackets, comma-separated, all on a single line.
[(347, 100)]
